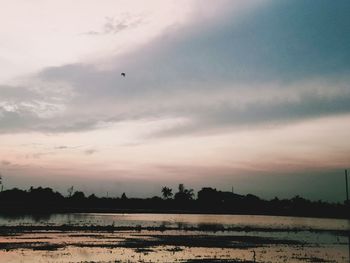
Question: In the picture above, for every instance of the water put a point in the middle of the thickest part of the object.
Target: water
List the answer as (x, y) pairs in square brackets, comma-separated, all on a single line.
[(271, 238), (176, 220)]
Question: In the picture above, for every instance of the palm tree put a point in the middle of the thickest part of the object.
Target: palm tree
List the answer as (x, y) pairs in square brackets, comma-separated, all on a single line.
[(189, 193), (167, 192)]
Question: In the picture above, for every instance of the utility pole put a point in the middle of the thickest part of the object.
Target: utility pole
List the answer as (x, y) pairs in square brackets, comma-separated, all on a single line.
[(1, 185), (346, 186)]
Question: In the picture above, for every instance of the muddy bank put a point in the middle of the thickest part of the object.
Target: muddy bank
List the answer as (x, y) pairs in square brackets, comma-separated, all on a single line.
[(167, 246), (143, 243), (10, 230)]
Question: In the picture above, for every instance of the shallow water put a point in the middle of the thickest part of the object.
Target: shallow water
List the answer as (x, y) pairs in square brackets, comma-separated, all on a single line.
[(269, 238), (177, 220)]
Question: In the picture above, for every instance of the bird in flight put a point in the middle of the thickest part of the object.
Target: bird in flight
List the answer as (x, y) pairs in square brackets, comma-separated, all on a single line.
[(123, 74)]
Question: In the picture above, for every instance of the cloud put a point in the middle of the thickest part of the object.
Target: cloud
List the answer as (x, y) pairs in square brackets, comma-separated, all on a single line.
[(66, 147), (115, 25), (278, 111), (62, 147), (38, 155), (90, 151), (25, 107), (283, 61), (5, 162)]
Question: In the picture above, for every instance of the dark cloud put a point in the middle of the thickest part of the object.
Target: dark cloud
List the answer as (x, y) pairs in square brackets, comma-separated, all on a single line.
[(216, 119), (16, 121)]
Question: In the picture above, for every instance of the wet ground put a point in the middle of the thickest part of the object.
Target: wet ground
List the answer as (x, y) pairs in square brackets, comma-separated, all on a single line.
[(93, 237), (195, 244)]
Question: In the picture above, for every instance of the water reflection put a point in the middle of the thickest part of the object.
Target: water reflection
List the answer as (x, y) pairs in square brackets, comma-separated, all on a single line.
[(182, 225), (90, 244), (23, 218), (349, 238), (349, 246), (216, 227), (155, 246), (205, 222)]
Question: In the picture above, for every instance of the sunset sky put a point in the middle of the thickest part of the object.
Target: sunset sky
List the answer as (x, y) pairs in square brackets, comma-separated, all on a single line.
[(253, 95)]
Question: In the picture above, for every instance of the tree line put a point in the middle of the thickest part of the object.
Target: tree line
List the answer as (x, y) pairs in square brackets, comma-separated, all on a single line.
[(208, 200)]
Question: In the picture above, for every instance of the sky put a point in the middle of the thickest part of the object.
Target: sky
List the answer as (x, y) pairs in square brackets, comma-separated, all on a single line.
[(252, 95)]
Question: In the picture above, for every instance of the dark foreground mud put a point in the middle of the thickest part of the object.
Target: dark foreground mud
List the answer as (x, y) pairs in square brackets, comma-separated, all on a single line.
[(110, 244)]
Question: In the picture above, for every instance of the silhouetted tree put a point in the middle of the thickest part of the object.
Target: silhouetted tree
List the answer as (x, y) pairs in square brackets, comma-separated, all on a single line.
[(78, 199), (209, 200), (70, 191), (78, 195), (92, 197), (167, 192), (209, 195), (124, 196), (1, 183), (44, 196), (184, 194)]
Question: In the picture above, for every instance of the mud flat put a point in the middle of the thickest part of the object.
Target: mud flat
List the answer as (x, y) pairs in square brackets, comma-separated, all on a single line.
[(172, 238), (94, 244)]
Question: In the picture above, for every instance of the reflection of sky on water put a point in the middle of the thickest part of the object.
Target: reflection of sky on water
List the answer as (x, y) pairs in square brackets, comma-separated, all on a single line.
[(177, 220), (94, 250), (208, 223), (349, 238)]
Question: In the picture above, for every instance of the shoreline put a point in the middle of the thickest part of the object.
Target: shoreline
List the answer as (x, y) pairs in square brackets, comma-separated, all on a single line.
[(201, 228), (29, 211)]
